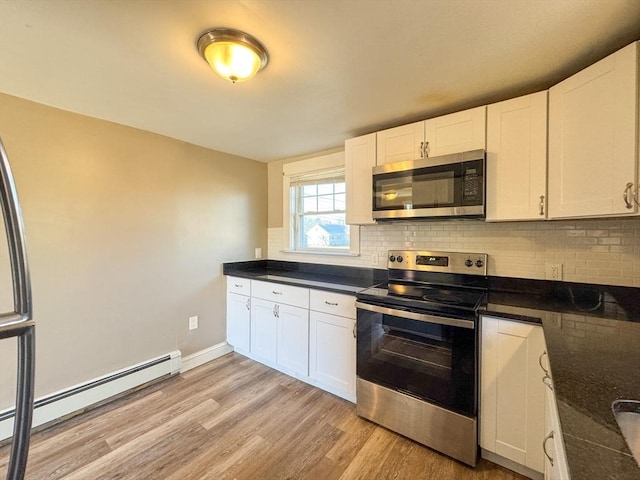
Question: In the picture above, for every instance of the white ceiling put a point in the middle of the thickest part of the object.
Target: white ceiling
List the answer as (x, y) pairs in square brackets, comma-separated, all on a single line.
[(338, 68)]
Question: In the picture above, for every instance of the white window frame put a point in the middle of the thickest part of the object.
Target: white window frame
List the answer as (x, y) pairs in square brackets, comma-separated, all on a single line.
[(308, 167)]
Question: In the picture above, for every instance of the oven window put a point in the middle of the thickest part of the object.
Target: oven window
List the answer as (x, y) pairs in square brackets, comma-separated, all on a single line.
[(425, 360)]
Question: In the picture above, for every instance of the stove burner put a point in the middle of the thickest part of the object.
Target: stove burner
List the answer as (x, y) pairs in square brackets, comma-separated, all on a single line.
[(448, 298)]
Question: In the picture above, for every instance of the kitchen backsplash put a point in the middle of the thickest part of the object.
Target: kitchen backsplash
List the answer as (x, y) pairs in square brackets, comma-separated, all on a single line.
[(591, 251)]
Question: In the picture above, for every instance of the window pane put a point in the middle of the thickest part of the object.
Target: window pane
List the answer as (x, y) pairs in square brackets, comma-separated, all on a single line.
[(340, 202), (325, 188), (324, 231), (309, 190), (309, 204), (325, 203), (340, 188)]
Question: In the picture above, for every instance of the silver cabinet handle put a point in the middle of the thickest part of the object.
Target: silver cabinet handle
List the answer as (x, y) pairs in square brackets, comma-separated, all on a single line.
[(544, 447), (421, 149), (333, 304), (541, 204), (276, 293), (354, 330), (547, 381), (237, 285), (626, 196), (248, 304), (546, 372), (427, 150)]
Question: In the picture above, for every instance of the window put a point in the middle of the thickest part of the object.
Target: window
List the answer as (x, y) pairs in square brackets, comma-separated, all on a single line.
[(315, 206), (317, 203)]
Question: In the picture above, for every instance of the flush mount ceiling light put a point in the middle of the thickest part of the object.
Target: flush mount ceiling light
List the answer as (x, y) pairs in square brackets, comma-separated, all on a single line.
[(234, 55)]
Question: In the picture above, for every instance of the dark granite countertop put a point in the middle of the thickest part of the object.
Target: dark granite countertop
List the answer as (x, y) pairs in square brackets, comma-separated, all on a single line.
[(333, 278), (592, 334)]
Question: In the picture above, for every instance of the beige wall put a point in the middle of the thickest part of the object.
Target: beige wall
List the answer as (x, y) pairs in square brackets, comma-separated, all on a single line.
[(126, 234)]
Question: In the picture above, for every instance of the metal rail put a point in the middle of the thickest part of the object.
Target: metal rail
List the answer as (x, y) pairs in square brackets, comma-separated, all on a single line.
[(18, 323)]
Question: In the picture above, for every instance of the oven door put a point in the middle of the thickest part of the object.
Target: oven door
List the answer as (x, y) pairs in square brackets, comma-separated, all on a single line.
[(425, 356)]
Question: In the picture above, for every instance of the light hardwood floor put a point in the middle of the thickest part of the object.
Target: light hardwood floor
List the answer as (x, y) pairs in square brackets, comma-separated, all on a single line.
[(234, 418)]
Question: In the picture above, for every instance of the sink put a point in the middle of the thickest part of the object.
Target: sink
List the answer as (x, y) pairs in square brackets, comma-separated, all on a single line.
[(627, 413)]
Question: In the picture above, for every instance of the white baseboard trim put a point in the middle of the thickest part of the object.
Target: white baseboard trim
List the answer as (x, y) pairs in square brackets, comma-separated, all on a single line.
[(203, 356), (78, 397)]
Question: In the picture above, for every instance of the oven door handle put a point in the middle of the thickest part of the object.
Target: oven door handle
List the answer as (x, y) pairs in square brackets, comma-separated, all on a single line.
[(421, 317)]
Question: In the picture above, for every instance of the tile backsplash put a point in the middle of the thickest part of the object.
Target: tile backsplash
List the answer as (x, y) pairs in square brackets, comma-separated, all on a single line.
[(605, 251)]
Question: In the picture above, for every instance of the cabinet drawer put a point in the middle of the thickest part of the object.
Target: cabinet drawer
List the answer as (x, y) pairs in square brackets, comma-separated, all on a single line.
[(239, 285), (276, 292), (333, 303)]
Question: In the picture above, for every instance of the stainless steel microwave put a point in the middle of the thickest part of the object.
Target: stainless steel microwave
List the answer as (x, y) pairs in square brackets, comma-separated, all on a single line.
[(444, 186)]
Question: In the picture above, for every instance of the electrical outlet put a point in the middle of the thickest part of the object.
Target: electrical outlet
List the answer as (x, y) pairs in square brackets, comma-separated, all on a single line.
[(193, 322), (555, 319), (258, 252), (553, 271)]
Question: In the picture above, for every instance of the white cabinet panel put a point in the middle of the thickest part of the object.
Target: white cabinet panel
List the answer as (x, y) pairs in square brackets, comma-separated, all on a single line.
[(332, 353), (333, 303), (511, 391), (264, 330), (555, 462), (457, 132), (400, 144), (239, 285), (239, 322), (293, 339), (593, 137), (517, 158), (360, 158)]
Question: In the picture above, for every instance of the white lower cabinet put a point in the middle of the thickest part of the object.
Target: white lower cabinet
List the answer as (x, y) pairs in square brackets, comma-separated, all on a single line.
[(512, 396), (332, 353), (239, 313), (555, 461), (312, 340)]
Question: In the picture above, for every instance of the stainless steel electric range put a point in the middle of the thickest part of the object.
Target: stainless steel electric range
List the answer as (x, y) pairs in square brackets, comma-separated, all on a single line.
[(417, 349)]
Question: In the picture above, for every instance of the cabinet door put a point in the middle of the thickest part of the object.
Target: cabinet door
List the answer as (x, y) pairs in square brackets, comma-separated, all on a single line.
[(238, 321), (457, 132), (593, 138), (400, 144), (511, 392), (517, 158), (264, 330), (332, 353), (293, 339), (360, 158)]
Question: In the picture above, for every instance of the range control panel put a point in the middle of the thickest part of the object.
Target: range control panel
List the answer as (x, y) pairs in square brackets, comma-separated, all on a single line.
[(445, 262)]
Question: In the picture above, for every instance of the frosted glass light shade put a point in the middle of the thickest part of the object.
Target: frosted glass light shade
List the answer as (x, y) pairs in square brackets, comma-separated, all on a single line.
[(232, 54)]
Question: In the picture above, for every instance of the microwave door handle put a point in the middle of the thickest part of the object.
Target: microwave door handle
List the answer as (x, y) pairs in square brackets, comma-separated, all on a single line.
[(421, 317)]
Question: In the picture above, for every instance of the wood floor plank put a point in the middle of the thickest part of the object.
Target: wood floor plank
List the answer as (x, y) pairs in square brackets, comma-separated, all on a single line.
[(234, 419)]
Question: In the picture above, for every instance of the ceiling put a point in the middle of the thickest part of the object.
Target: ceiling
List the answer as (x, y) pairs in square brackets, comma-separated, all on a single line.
[(338, 68)]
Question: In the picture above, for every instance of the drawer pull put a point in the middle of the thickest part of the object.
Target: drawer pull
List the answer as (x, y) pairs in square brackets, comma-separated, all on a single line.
[(248, 304), (237, 285), (544, 447), (276, 293), (333, 304)]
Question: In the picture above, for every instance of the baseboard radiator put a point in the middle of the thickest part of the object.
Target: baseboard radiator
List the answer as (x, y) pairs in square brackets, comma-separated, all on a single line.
[(75, 399)]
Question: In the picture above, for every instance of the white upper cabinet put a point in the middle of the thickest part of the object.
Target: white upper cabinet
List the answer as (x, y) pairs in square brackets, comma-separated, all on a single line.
[(360, 158), (593, 138), (517, 158), (457, 132), (400, 144)]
